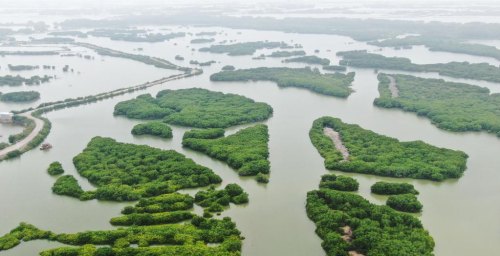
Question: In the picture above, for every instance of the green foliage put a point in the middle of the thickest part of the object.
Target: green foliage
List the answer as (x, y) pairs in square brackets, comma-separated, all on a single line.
[(228, 68), (246, 151), (310, 60), (216, 200), (21, 67), (247, 48), (334, 68), (286, 54), (262, 178), (388, 188), (444, 45), (20, 96), (18, 80), (452, 106), (161, 203), (478, 71), (376, 230), (13, 154), (212, 133), (329, 84), (29, 126), (143, 219), (134, 35), (164, 239), (342, 183), (127, 172), (202, 40), (376, 154), (195, 108), (148, 60), (67, 185), (154, 128), (404, 203), (55, 168)]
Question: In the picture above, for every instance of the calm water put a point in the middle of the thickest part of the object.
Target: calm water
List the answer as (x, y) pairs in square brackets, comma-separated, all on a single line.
[(461, 215)]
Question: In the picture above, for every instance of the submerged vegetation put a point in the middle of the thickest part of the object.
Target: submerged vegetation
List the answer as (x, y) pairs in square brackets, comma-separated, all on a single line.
[(452, 106), (247, 48), (329, 84), (246, 151), (376, 154), (154, 128), (195, 108), (477, 71)]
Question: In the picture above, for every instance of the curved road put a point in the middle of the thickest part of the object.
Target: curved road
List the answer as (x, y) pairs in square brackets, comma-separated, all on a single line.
[(39, 123), (24, 142)]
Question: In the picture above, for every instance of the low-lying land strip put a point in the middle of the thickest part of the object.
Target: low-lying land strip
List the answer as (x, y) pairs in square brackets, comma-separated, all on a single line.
[(466, 70), (452, 106), (338, 85)]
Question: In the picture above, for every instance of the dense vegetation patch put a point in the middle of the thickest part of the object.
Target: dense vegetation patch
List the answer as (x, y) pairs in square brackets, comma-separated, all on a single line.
[(134, 35), (340, 182), (372, 153), (21, 67), (55, 168), (202, 40), (161, 203), (19, 80), (192, 238), (404, 203), (478, 71), (451, 106), (228, 68), (388, 188), (214, 200), (347, 222), (334, 68), (128, 172), (246, 151), (286, 54), (20, 96), (67, 185), (247, 48), (329, 84), (310, 60), (440, 44), (195, 108), (154, 128), (202, 64)]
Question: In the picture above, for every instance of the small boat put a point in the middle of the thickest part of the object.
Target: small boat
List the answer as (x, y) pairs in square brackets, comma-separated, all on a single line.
[(45, 146)]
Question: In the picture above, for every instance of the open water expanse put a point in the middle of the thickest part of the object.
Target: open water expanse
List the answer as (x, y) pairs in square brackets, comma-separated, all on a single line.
[(462, 215)]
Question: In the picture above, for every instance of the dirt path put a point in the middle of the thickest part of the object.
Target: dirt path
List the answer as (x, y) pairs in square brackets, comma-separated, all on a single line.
[(337, 141), (24, 142), (393, 87)]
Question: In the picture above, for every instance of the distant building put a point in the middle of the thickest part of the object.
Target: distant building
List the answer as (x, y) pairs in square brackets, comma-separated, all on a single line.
[(6, 117)]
